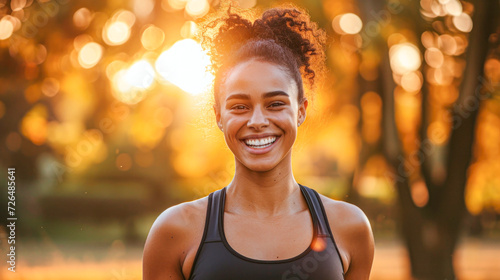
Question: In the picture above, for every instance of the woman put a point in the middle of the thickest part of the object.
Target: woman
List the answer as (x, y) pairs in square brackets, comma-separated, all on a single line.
[(263, 225)]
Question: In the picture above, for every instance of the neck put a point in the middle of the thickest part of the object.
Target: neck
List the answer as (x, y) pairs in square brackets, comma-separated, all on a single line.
[(264, 194)]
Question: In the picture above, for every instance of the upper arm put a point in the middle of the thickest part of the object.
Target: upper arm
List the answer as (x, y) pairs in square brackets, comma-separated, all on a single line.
[(353, 235), (360, 245), (164, 247)]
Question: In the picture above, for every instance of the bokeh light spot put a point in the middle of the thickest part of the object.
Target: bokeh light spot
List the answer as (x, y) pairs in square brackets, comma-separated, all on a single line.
[(124, 16), (453, 7), (447, 44), (90, 55), (350, 23), (17, 5), (123, 162), (116, 33), (434, 57), (82, 18), (463, 22), (419, 194), (152, 38), (404, 58), (411, 82), (143, 8), (428, 39), (177, 4), (34, 125), (50, 86), (197, 8), (6, 29)]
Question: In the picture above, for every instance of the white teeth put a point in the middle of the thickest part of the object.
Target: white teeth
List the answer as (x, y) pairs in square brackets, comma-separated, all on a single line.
[(261, 142)]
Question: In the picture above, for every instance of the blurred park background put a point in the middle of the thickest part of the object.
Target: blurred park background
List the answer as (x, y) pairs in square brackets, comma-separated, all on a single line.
[(105, 115)]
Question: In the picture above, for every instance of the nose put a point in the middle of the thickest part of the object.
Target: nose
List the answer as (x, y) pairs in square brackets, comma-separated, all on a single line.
[(258, 119)]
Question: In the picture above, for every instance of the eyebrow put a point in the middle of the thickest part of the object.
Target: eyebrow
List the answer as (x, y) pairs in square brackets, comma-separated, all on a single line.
[(265, 95)]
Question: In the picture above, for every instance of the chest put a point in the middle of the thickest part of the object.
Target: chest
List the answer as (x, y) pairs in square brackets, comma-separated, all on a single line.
[(269, 238)]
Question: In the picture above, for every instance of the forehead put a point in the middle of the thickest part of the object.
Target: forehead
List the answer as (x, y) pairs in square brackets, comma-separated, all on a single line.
[(257, 77)]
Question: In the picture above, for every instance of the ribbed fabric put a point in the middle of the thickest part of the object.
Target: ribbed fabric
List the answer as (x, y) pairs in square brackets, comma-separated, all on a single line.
[(216, 260)]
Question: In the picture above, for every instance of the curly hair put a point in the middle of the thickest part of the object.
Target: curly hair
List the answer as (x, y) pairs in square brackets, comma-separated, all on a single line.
[(284, 36)]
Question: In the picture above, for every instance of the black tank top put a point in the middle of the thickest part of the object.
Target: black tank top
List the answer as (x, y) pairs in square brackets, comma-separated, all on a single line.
[(216, 260)]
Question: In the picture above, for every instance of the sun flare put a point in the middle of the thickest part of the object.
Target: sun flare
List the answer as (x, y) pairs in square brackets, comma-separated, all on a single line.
[(185, 65)]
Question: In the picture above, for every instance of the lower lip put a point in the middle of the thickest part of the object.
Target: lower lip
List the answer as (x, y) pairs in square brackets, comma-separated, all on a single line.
[(260, 151)]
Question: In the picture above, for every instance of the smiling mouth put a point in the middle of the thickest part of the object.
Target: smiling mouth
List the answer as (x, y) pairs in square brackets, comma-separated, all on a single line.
[(260, 143)]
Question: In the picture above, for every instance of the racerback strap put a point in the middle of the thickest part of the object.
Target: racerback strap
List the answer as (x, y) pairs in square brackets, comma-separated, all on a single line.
[(213, 221)]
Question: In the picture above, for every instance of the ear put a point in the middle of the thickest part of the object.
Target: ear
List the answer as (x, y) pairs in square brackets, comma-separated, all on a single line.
[(301, 117), (217, 116)]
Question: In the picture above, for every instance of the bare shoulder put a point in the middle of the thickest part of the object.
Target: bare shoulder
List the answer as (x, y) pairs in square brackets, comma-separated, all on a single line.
[(353, 235), (173, 238), (180, 217), (350, 216)]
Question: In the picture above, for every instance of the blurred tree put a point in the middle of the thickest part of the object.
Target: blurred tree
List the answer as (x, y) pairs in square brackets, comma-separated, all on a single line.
[(431, 197)]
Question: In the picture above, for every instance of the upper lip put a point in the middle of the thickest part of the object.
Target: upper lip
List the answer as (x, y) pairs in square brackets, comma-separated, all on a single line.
[(257, 136)]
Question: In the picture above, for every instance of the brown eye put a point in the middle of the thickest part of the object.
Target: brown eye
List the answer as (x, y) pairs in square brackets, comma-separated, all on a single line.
[(276, 104), (238, 107)]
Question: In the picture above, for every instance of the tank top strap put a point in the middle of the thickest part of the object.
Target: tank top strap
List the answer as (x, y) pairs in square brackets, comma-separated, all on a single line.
[(213, 222), (317, 209)]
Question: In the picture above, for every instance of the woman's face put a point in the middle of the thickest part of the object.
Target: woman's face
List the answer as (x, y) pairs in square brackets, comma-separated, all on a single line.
[(259, 114)]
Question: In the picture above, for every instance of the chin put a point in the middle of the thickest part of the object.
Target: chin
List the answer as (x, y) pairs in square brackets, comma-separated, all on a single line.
[(259, 166)]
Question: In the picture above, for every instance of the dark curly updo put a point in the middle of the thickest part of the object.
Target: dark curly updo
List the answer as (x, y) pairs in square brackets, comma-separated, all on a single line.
[(284, 36)]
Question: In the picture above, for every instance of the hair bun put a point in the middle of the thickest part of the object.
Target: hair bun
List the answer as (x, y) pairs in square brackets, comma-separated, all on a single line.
[(287, 26), (294, 30)]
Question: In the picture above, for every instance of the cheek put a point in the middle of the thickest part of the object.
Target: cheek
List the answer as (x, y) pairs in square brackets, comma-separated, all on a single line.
[(290, 124), (288, 118), (232, 125)]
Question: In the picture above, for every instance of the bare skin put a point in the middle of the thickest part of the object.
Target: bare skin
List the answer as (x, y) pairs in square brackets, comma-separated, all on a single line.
[(264, 204)]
